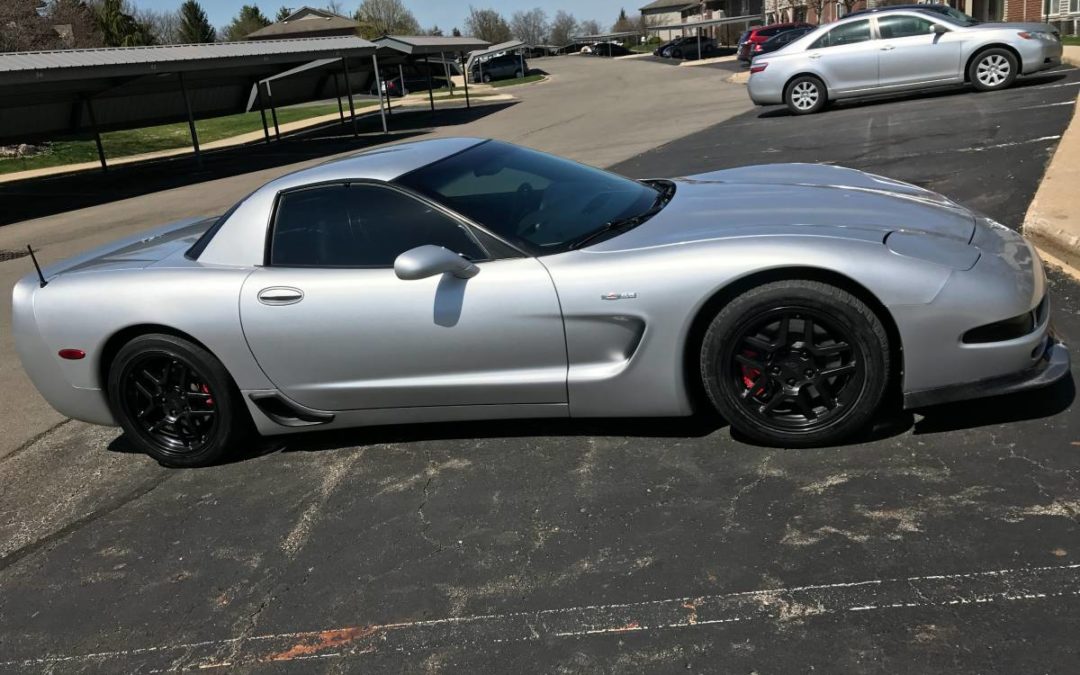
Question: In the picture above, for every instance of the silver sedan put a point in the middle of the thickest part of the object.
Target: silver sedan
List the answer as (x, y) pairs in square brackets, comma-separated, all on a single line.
[(900, 50), (458, 279)]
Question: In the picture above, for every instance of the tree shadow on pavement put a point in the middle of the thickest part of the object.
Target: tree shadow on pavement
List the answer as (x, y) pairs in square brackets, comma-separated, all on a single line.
[(50, 195)]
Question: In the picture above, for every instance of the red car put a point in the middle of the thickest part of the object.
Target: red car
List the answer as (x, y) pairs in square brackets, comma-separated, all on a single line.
[(760, 34)]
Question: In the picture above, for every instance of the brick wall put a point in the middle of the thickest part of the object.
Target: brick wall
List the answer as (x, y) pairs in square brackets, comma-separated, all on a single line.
[(1024, 10)]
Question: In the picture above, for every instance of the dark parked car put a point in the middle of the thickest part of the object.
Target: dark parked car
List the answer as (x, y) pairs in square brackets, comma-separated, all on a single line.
[(760, 35), (687, 48), (610, 49), (499, 68), (937, 9), (778, 41)]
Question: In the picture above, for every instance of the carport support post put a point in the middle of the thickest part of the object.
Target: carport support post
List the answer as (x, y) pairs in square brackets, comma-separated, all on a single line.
[(273, 111), (337, 90), (97, 134), (521, 61), (446, 73), (465, 79), (430, 91), (348, 92), (378, 87), (262, 112), (190, 121)]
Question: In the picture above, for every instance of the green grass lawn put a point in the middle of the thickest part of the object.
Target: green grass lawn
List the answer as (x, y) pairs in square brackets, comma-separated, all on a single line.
[(1070, 39), (164, 137), (535, 77)]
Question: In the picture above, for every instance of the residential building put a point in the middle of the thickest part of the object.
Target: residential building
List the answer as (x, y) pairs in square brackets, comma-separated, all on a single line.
[(307, 22)]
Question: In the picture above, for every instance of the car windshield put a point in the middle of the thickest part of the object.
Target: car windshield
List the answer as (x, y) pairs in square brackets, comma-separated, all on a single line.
[(542, 203), (956, 17)]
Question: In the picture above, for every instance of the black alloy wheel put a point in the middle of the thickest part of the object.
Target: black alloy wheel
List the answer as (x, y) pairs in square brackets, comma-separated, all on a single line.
[(175, 400), (794, 367), (796, 363)]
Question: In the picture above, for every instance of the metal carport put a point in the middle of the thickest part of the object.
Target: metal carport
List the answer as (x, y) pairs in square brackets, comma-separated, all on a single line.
[(491, 51), (413, 47), (51, 94)]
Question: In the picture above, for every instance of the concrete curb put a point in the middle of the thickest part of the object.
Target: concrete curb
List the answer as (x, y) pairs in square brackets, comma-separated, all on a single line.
[(708, 62), (1052, 221), (741, 77)]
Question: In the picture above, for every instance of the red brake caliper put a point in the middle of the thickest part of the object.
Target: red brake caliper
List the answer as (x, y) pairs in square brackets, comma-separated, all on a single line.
[(206, 390), (749, 373)]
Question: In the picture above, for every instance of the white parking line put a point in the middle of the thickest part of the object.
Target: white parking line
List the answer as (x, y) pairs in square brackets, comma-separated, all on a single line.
[(767, 605)]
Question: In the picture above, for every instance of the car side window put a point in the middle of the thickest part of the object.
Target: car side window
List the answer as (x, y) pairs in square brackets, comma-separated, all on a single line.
[(846, 34), (360, 225), (901, 26)]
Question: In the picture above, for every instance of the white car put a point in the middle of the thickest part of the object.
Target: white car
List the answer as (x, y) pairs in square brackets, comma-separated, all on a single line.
[(899, 50)]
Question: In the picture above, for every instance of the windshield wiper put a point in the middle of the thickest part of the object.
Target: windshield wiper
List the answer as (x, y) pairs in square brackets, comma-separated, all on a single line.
[(665, 190)]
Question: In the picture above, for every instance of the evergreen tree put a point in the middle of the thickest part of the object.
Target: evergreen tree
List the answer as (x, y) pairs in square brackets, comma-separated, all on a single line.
[(249, 20), (283, 13), (119, 28), (194, 26)]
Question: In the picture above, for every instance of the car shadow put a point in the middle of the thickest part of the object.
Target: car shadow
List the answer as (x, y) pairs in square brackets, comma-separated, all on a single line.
[(51, 195), (1025, 405), (1038, 79)]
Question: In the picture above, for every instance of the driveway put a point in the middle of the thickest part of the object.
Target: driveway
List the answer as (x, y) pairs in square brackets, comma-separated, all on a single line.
[(941, 542)]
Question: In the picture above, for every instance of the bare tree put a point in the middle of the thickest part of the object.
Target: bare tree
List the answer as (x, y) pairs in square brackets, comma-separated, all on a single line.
[(488, 25), (335, 7), (387, 17), (75, 24), (591, 27), (818, 8), (163, 25), (530, 27), (563, 28)]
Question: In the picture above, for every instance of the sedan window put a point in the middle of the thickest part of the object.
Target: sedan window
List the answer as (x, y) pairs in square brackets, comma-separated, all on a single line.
[(359, 225), (901, 25), (846, 34)]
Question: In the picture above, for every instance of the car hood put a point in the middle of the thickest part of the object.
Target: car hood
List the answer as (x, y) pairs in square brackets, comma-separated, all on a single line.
[(795, 199), (1018, 25)]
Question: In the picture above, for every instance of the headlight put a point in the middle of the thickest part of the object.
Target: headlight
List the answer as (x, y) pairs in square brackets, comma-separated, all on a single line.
[(1038, 35)]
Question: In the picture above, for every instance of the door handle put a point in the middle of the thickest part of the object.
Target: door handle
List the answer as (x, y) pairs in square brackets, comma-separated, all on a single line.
[(815, 56), (280, 295), (888, 48)]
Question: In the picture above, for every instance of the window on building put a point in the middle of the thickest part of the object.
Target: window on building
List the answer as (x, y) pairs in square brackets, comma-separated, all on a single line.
[(1046, 7), (840, 10), (1074, 6)]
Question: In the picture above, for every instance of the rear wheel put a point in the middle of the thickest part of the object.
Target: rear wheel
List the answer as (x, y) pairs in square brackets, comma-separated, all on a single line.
[(796, 363), (175, 401), (993, 69), (676, 53), (487, 78), (805, 95)]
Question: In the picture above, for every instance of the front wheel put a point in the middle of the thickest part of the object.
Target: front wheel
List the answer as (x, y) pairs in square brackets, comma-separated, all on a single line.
[(796, 363), (175, 401), (993, 69), (805, 95)]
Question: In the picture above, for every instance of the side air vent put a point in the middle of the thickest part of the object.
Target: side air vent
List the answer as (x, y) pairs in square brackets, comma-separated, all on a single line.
[(288, 413)]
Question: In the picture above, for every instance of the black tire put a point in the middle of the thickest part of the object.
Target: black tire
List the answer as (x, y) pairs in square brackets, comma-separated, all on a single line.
[(805, 95), (993, 69), (764, 381), (487, 78), (181, 389), (518, 75), (676, 53)]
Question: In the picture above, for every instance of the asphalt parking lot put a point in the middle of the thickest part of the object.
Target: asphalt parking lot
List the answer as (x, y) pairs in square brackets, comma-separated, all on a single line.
[(945, 541)]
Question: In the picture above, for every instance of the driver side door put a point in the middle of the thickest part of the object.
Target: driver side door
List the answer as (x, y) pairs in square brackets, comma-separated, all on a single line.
[(334, 328)]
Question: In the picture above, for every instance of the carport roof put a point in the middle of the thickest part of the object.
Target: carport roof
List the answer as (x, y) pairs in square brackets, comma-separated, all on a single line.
[(605, 36), (419, 45), (56, 65)]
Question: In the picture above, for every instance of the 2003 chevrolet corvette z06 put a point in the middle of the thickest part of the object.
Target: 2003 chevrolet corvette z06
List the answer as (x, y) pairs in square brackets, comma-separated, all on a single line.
[(460, 279)]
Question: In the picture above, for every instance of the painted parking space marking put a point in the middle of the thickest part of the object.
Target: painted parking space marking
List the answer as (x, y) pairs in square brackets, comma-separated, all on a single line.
[(971, 589)]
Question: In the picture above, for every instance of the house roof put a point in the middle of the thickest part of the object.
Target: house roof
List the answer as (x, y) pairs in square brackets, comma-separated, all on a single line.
[(669, 5), (430, 44), (305, 20)]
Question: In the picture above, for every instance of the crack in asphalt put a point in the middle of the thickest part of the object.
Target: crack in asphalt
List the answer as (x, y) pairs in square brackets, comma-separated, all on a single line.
[(143, 489)]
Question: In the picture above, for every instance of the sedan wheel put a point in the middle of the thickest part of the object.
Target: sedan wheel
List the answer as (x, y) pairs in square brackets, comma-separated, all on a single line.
[(993, 69), (174, 400), (796, 363), (805, 95)]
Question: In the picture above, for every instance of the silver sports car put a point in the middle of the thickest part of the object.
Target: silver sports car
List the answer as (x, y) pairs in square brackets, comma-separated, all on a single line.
[(899, 50), (460, 279)]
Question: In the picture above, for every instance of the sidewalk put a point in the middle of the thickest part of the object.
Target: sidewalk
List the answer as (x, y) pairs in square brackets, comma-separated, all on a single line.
[(1053, 219)]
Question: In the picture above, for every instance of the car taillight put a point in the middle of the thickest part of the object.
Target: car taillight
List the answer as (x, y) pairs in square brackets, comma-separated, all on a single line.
[(757, 68), (757, 48)]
